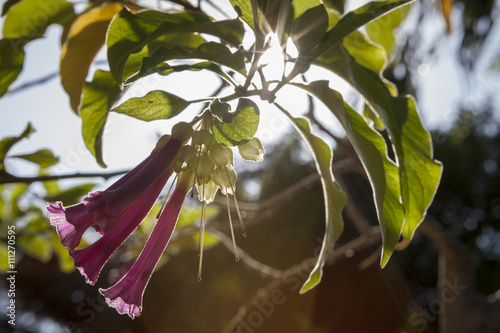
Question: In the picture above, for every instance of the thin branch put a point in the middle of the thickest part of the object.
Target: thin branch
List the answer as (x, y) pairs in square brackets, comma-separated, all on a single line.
[(31, 84), (348, 249), (245, 257), (11, 179)]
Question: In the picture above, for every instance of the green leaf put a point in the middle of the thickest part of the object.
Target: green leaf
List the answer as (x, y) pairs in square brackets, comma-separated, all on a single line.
[(11, 63), (211, 51), (308, 28), (44, 158), (157, 104), (239, 126), (7, 143), (36, 246), (97, 99), (349, 23), (370, 146), (128, 33), (186, 41), (244, 10), (361, 47), (7, 5), (85, 38), (381, 30), (419, 172), (28, 19), (166, 69), (301, 6), (334, 197)]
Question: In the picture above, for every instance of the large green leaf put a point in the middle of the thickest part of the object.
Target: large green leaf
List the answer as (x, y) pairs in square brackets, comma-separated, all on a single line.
[(211, 51), (334, 197), (7, 143), (361, 47), (381, 30), (309, 27), (128, 33), (85, 38), (244, 10), (28, 19), (97, 99), (44, 158), (166, 69), (371, 149), (236, 127), (419, 172), (11, 63), (349, 23), (157, 104)]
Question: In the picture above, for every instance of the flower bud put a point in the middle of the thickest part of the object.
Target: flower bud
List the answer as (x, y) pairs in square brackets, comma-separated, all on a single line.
[(202, 141), (207, 191), (186, 158), (221, 155), (220, 177), (252, 150), (182, 131), (205, 169)]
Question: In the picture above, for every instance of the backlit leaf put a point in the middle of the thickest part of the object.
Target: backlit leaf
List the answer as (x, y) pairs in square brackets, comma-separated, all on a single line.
[(371, 149), (97, 99), (128, 33), (334, 197), (7, 143), (85, 38), (419, 172), (239, 126), (11, 63), (157, 104), (44, 158), (28, 19)]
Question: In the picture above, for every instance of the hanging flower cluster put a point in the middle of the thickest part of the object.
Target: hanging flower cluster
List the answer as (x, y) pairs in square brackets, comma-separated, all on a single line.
[(197, 159)]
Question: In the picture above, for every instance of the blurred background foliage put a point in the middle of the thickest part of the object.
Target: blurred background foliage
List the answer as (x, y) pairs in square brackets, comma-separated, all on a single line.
[(354, 296)]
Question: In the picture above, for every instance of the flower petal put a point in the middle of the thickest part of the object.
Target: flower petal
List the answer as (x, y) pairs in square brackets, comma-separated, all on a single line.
[(91, 259), (107, 207), (126, 295), (70, 222)]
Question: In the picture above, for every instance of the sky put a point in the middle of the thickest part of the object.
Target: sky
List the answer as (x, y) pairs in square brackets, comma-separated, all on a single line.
[(127, 141)]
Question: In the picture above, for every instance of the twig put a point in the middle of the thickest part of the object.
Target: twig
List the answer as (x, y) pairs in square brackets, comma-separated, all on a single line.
[(245, 257), (11, 179), (33, 83), (353, 246)]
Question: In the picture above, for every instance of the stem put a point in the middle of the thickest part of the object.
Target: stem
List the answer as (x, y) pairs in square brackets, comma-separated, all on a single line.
[(11, 179)]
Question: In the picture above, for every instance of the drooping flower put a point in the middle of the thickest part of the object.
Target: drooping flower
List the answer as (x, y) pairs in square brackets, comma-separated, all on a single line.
[(126, 295), (117, 211), (103, 209)]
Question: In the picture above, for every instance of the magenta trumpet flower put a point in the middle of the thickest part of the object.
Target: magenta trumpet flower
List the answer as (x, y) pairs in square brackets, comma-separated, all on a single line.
[(116, 212), (126, 295), (103, 209)]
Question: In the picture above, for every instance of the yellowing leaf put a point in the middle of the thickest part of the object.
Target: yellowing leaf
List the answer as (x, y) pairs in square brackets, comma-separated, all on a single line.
[(85, 38), (446, 7)]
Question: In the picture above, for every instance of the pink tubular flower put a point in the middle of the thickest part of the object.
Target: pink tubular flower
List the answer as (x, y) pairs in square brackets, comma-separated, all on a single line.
[(126, 295), (103, 209)]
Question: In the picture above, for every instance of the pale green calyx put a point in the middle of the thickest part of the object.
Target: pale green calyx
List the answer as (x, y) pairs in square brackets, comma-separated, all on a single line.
[(182, 131), (207, 191), (225, 178), (202, 141), (204, 169), (221, 155), (161, 142), (186, 157), (252, 150)]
